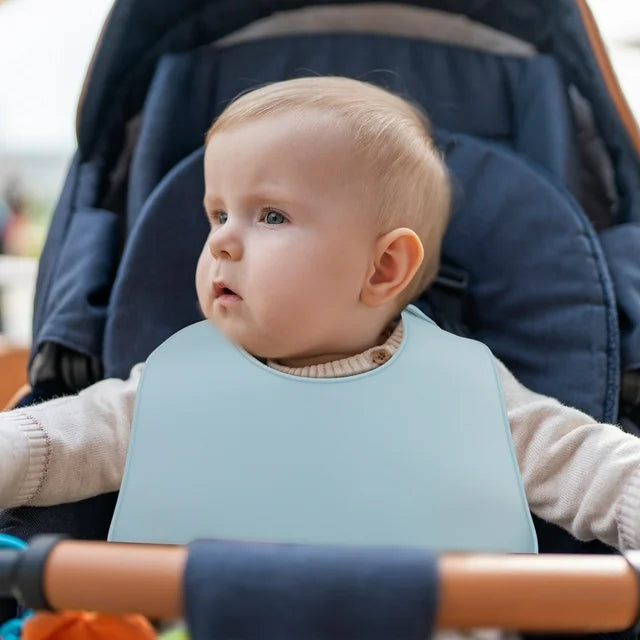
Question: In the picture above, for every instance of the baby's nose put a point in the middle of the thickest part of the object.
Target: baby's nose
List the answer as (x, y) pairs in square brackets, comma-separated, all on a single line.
[(225, 243)]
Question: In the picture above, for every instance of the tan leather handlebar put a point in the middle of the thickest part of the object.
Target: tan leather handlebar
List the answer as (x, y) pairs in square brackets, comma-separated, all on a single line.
[(537, 593)]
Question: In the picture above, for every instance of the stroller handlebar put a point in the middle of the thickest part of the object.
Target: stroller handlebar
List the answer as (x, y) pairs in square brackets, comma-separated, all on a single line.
[(520, 592)]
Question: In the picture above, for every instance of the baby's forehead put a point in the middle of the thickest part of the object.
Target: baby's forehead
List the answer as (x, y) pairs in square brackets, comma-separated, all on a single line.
[(320, 125), (294, 148), (309, 138)]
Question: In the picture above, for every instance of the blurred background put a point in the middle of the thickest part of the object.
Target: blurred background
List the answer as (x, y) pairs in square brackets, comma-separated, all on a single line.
[(45, 47)]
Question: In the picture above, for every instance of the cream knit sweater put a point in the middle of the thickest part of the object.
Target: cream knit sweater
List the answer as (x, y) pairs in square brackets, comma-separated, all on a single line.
[(579, 474)]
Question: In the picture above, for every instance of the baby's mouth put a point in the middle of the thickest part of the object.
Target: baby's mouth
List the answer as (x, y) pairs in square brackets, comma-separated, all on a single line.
[(221, 290)]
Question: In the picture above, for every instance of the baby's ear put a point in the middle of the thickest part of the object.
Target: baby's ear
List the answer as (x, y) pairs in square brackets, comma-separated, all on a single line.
[(397, 255)]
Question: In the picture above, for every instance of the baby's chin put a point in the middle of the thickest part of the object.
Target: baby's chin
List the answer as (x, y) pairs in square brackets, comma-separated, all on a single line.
[(274, 343), (262, 349)]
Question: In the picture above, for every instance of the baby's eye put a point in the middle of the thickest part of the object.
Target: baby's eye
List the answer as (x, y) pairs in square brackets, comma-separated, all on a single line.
[(219, 217), (274, 217)]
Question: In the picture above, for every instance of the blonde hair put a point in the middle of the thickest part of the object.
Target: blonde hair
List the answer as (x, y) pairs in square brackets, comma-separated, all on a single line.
[(392, 136)]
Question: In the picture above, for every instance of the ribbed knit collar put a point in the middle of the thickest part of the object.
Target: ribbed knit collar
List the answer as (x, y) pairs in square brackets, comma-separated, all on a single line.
[(351, 366)]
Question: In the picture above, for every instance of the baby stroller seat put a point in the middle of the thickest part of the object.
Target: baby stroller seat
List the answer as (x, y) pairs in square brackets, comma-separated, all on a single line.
[(539, 290)]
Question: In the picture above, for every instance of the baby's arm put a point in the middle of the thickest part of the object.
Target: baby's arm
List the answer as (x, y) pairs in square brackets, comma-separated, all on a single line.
[(69, 448), (579, 474)]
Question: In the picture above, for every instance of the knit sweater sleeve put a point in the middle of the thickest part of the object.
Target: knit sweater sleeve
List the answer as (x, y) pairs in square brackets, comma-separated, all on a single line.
[(579, 474), (69, 448)]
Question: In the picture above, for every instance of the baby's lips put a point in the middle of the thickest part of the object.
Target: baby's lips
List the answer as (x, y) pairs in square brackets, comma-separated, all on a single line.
[(221, 288)]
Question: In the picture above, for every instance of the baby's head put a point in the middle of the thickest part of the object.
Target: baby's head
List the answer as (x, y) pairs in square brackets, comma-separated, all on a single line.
[(328, 203)]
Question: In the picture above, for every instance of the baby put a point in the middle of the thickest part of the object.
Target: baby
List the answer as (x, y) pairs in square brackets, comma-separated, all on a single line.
[(328, 203)]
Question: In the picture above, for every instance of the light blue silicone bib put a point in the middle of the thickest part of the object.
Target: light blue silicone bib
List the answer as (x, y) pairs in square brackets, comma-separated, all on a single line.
[(417, 452)]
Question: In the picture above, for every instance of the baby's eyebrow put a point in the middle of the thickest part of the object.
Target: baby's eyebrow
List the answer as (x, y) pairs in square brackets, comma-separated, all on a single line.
[(208, 202)]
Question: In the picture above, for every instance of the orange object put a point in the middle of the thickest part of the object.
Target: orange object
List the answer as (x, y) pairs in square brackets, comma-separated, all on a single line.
[(13, 372), (608, 74), (86, 625)]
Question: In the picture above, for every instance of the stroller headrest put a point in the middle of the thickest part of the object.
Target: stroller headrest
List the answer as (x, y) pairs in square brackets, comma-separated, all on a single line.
[(516, 101)]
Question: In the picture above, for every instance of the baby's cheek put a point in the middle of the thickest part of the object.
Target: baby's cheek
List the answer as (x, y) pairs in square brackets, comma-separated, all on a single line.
[(203, 286), (284, 303)]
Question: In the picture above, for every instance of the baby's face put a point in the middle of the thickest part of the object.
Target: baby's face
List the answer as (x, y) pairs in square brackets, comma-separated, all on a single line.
[(291, 235)]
